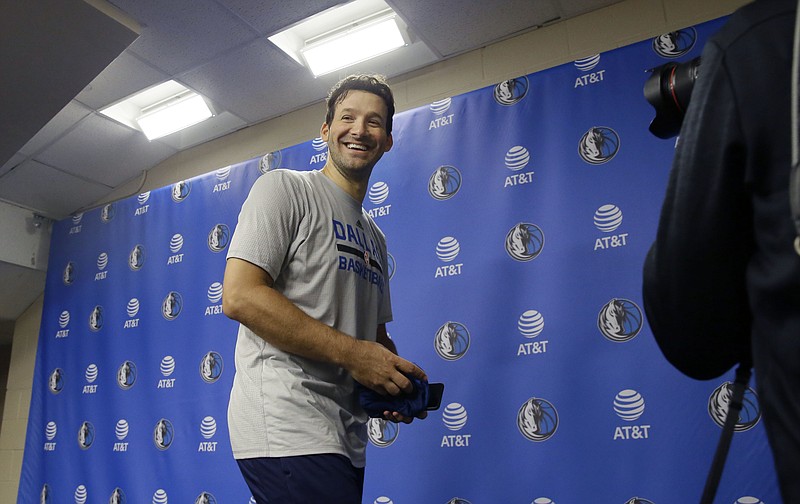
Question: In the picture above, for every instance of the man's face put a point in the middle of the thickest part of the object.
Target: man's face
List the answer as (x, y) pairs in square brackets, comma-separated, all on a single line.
[(357, 136)]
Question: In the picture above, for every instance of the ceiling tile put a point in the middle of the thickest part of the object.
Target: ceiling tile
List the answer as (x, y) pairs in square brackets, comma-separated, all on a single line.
[(60, 196), (181, 34), (64, 120), (11, 163), (125, 76), (479, 23), (265, 18), (257, 81), (104, 151)]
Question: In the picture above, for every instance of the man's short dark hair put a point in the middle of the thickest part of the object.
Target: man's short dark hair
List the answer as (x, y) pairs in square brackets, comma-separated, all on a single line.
[(375, 84)]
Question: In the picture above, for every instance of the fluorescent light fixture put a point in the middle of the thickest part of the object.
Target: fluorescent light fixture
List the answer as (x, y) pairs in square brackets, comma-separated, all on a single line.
[(160, 110), (174, 114), (362, 41), (345, 35)]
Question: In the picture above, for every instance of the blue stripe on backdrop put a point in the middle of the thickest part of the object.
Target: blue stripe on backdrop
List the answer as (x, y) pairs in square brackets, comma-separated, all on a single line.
[(517, 217)]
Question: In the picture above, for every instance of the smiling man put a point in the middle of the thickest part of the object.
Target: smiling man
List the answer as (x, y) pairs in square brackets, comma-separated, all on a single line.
[(306, 279)]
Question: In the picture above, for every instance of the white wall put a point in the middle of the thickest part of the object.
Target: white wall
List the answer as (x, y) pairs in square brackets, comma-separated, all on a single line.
[(618, 25)]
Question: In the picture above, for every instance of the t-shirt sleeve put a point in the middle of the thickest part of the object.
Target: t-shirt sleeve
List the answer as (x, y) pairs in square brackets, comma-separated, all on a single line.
[(269, 222)]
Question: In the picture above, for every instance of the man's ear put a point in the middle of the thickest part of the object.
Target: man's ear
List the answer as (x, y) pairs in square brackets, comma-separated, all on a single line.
[(323, 132), (389, 143)]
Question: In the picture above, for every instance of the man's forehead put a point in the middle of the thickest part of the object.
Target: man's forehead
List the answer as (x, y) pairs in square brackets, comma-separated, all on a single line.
[(351, 99)]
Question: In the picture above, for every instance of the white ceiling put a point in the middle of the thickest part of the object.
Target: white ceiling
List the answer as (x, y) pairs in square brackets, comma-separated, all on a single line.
[(61, 155)]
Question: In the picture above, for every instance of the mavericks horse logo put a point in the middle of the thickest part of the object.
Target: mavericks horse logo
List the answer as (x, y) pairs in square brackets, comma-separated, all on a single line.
[(638, 500), (719, 402), (675, 44), (218, 237), (524, 241), (180, 190), (163, 434), (96, 318), (270, 161), (451, 341), (382, 433), (136, 258), (56, 381), (598, 145), (211, 367), (205, 498), (126, 375), (172, 305), (444, 183), (620, 320), (107, 212), (69, 273), (511, 91), (44, 495), (117, 497), (537, 419), (86, 435)]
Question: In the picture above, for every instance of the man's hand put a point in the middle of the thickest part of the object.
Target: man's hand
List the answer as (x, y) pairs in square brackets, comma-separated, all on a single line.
[(376, 367)]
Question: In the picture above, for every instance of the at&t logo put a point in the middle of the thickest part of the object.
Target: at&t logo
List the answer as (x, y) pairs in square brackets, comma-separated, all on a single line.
[(454, 418), (629, 406), (208, 428), (102, 263), (132, 309), (444, 183), (50, 432), (620, 320), (607, 219), (512, 91), (121, 430), (586, 64), (524, 242), (63, 322), (537, 419), (719, 402), (76, 223), (175, 246), (214, 294), (218, 237), (91, 376), (531, 325), (439, 108), (452, 341), (447, 250), (222, 175), (382, 433), (516, 159), (378, 193), (143, 207), (319, 145), (167, 367), (598, 145)]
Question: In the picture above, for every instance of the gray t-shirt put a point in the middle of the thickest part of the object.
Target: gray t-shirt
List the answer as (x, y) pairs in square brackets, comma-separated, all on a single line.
[(329, 258)]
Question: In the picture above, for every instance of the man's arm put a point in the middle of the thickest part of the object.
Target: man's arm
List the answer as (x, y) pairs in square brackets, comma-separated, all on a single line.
[(248, 297)]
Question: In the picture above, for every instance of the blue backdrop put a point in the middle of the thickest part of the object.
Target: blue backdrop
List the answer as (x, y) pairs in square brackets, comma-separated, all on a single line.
[(518, 217)]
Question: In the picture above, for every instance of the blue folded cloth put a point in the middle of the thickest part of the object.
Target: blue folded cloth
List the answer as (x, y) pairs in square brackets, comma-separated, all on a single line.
[(408, 405)]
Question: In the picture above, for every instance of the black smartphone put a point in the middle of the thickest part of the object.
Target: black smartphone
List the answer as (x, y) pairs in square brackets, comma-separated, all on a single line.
[(435, 391)]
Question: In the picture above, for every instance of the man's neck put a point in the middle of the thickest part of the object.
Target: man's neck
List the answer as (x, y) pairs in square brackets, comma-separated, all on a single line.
[(355, 188)]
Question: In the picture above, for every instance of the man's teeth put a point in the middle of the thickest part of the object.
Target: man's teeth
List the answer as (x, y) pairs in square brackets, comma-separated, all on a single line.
[(356, 146)]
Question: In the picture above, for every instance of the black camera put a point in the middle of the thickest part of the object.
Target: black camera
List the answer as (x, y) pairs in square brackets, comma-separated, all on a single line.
[(668, 90)]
